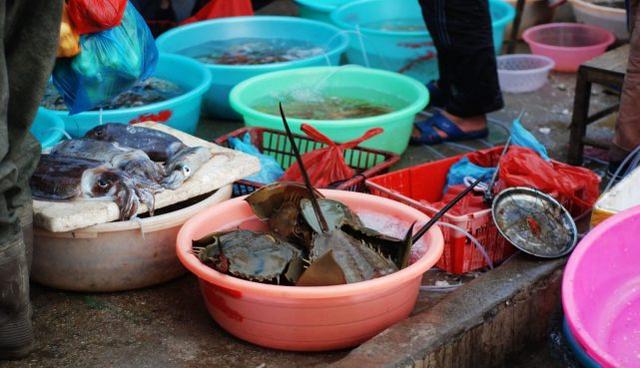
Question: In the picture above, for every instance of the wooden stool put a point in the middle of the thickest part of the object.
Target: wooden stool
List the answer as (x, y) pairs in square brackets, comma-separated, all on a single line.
[(607, 70)]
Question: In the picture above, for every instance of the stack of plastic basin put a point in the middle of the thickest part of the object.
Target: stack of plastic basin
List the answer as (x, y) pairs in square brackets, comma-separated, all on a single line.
[(48, 128), (181, 112), (601, 291), (392, 35), (568, 44), (349, 82), (319, 9), (225, 77), (523, 72), (306, 318)]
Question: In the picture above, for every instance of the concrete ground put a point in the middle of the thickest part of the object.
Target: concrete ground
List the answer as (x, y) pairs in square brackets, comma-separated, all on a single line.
[(168, 326)]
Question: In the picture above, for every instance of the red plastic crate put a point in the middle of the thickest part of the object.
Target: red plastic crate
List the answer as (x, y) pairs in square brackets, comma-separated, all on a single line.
[(426, 183), (366, 162)]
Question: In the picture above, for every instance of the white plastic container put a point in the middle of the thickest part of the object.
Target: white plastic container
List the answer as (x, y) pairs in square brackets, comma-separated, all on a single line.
[(611, 19), (623, 196), (523, 72), (115, 256)]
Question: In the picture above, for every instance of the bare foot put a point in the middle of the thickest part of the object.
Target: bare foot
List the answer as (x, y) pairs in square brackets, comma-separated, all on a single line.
[(467, 125)]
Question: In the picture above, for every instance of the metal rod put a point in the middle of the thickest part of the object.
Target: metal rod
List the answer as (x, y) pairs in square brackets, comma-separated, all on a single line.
[(443, 211), (488, 195), (515, 27), (305, 176)]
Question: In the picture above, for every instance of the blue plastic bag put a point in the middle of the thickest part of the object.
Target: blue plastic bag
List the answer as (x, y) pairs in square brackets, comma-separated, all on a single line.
[(270, 169), (523, 138), (464, 167), (519, 137), (110, 62)]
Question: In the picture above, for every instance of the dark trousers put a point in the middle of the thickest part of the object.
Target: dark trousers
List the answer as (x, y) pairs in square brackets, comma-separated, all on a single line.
[(462, 34), (29, 34)]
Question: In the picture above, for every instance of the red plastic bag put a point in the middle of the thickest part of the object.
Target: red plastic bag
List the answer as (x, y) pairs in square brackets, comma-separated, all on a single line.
[(576, 188), (221, 9), (326, 165), (472, 202), (92, 16), (488, 158)]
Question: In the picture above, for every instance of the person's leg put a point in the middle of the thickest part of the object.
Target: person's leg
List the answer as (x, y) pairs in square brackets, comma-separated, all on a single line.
[(29, 31), (462, 34), (627, 133)]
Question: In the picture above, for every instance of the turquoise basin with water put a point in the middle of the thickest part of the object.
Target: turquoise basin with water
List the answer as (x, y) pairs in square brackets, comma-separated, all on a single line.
[(48, 128), (406, 95), (183, 39), (391, 35), (181, 112), (319, 9)]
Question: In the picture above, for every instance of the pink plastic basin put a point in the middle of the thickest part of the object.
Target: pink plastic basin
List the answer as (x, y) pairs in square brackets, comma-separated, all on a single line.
[(601, 291), (306, 318), (568, 44)]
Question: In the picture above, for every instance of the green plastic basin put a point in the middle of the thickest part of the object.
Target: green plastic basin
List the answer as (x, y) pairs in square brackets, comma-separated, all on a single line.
[(409, 95)]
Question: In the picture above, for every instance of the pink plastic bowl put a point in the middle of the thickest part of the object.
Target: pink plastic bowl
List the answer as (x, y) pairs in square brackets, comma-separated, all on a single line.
[(568, 44), (601, 291), (306, 318)]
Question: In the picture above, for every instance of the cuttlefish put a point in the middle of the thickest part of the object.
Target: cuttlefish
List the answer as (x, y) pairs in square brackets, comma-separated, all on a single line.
[(132, 161), (180, 160), (60, 178)]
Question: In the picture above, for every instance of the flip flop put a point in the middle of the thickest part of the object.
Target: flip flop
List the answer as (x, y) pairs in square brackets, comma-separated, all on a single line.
[(437, 98), (429, 135)]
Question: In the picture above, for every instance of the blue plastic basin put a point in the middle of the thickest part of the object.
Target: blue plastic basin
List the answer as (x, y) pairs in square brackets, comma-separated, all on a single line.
[(577, 350), (410, 52), (225, 77), (319, 9), (184, 110), (48, 128)]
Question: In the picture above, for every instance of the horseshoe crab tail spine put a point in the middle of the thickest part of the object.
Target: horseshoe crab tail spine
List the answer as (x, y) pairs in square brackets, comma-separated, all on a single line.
[(307, 182)]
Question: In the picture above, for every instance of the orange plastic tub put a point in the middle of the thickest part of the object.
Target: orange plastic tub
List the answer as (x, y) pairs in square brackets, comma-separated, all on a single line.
[(306, 318)]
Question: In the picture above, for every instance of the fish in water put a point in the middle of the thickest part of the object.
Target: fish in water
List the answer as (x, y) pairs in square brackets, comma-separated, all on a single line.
[(65, 178), (181, 161), (159, 146), (132, 161)]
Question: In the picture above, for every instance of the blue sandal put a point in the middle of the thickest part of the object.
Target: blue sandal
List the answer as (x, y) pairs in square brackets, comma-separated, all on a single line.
[(429, 135)]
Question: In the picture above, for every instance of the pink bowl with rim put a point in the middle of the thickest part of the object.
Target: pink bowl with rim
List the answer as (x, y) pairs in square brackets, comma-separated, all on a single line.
[(568, 44), (601, 291), (307, 318)]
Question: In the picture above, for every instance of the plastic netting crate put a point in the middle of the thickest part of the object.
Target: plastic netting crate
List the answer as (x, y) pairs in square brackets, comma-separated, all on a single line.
[(421, 185), (366, 162)]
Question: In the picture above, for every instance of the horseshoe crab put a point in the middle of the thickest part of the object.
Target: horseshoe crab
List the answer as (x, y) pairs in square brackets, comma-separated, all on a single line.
[(65, 178), (346, 251), (250, 256), (278, 204)]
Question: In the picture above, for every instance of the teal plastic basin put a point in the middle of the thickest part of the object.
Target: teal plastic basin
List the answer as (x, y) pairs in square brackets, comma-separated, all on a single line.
[(349, 82), (410, 52), (48, 128), (319, 9), (183, 112), (225, 77)]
